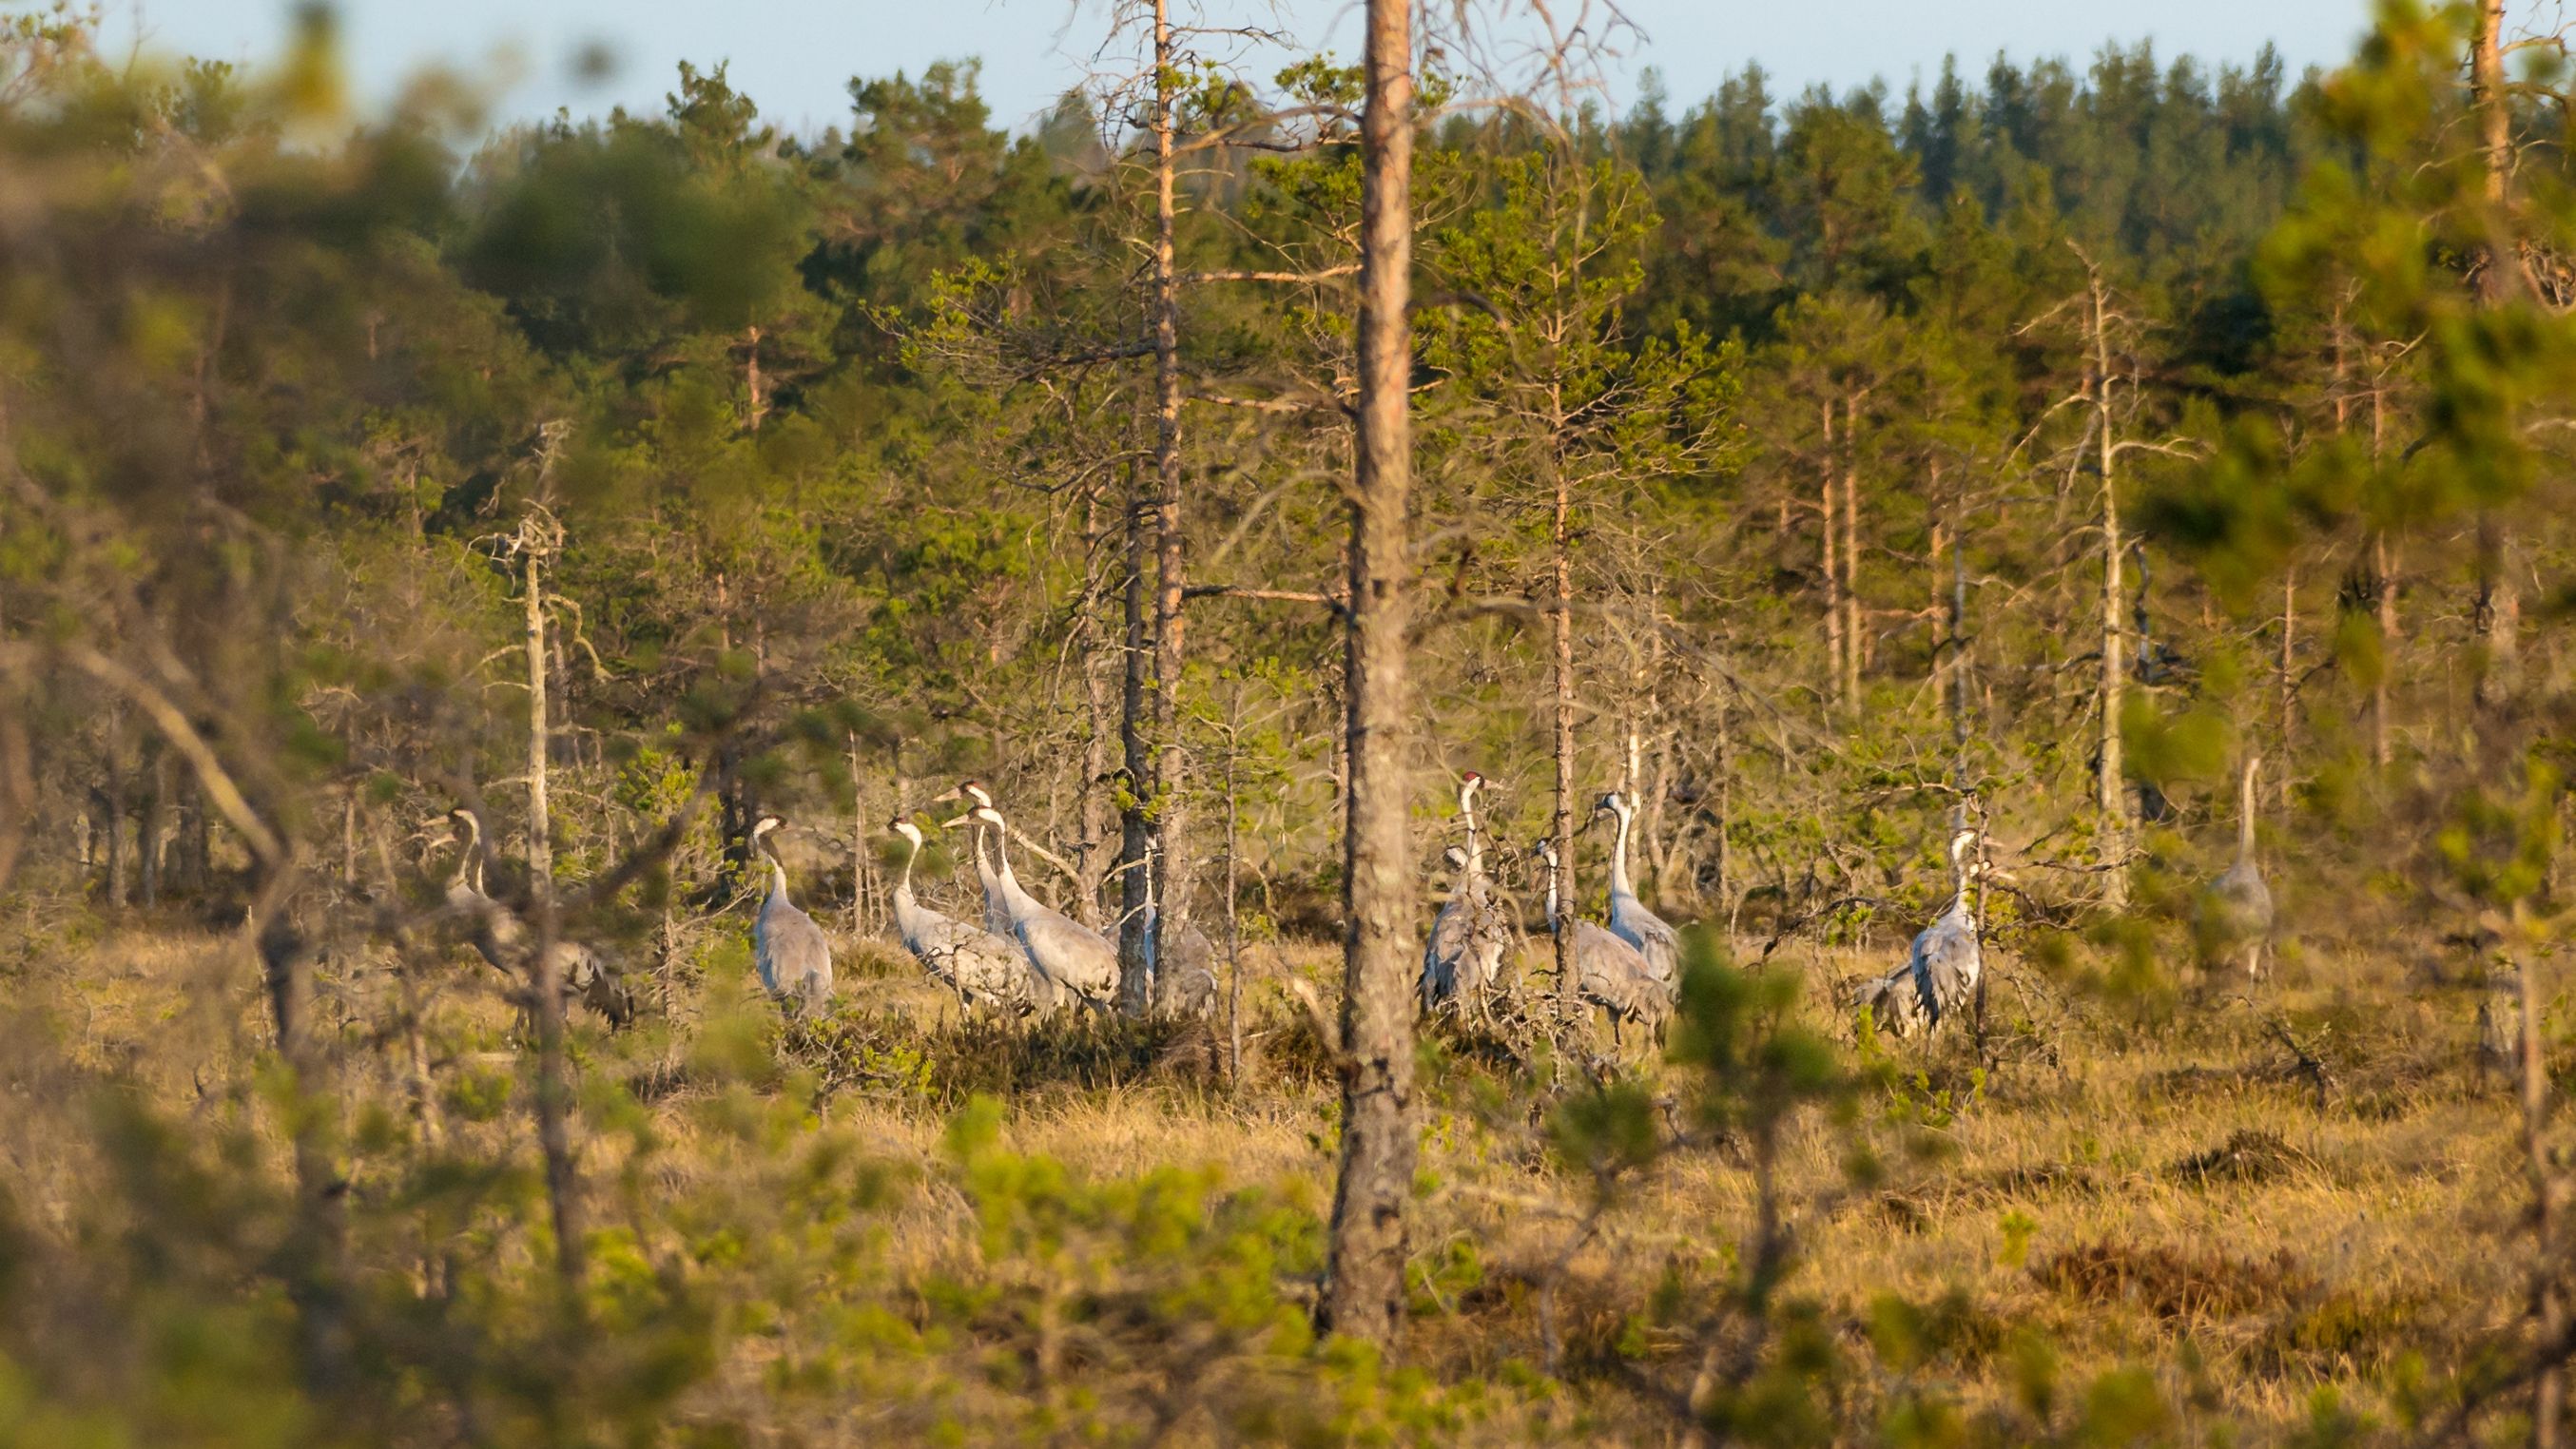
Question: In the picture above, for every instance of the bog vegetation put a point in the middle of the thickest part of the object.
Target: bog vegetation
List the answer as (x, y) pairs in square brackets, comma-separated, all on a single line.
[(2111, 518)]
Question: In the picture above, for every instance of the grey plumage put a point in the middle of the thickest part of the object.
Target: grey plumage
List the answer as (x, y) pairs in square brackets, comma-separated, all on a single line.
[(1939, 978), (1630, 921), (997, 905), (2234, 913), (1185, 985), (984, 969), (1081, 964), (1188, 987), (792, 954), (1463, 959), (1608, 972), (583, 973)]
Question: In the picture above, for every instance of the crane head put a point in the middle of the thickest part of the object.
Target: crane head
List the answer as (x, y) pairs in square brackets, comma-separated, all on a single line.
[(968, 790), (1454, 857), (764, 825), (981, 814), (1610, 804), (905, 828), (1544, 850)]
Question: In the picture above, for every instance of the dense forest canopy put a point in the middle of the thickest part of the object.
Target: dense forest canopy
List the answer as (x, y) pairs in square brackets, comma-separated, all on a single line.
[(2025, 451)]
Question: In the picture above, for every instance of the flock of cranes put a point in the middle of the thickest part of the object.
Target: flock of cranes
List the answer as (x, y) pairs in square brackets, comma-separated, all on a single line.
[(1630, 967), (1025, 957)]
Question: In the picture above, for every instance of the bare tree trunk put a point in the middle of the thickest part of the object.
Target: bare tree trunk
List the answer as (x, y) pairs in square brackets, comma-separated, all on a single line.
[(859, 836), (1726, 892), (1958, 651), (1135, 833), (196, 842), (2289, 680), (417, 1078), (1561, 675), (148, 830), (1364, 1290), (2111, 774), (2548, 1306), (112, 808), (1233, 930), (2494, 106), (314, 1281), (539, 537), (2497, 616), (1835, 644), (1649, 710), (759, 401), (1171, 866), (1854, 631), (1099, 811), (2384, 571)]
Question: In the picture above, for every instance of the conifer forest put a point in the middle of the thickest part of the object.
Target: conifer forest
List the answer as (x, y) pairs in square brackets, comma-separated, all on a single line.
[(1334, 747)]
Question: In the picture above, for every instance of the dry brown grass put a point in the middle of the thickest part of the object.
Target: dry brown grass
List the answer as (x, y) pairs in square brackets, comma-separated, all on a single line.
[(2160, 1192)]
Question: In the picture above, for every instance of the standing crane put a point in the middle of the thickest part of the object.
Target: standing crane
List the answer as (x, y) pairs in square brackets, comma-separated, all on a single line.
[(2235, 911), (465, 892), (501, 938), (1080, 962), (1188, 988), (793, 956), (982, 968), (1464, 957), (997, 905), (1630, 921), (1607, 971), (1940, 974)]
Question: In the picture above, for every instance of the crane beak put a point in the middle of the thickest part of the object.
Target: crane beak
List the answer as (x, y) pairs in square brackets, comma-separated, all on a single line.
[(951, 793), (960, 820)]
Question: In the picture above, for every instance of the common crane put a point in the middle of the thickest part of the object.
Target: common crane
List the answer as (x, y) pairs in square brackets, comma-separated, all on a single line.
[(1188, 987), (792, 954), (1464, 957), (2235, 911), (1080, 962), (976, 964), (997, 905), (1630, 921), (1940, 974), (1607, 970), (582, 972)]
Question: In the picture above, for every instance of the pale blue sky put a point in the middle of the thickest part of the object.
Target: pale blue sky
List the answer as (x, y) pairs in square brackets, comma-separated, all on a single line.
[(796, 56)]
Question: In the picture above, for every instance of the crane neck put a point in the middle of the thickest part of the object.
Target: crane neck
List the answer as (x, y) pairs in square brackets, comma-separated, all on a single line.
[(466, 863), (1002, 861), (2245, 816), (777, 866), (1552, 923), (903, 883), (1619, 855)]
